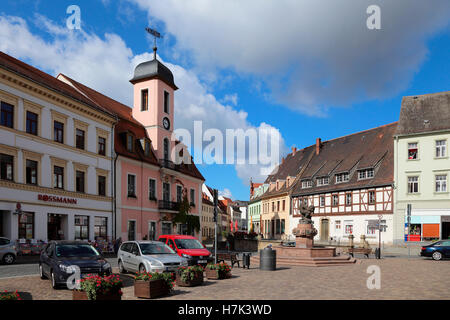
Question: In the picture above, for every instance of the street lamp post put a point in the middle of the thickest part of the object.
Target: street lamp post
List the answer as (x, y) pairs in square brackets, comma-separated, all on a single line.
[(379, 235)]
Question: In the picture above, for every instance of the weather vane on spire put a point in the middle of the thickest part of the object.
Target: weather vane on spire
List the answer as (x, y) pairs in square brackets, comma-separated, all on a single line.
[(155, 35)]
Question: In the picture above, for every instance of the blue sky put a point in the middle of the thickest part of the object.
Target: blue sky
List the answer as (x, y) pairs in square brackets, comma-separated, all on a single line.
[(308, 74)]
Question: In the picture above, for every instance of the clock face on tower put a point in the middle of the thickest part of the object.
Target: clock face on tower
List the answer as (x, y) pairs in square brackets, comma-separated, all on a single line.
[(166, 123)]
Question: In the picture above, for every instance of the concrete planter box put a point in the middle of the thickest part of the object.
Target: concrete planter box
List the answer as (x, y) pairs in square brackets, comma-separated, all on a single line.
[(150, 289)]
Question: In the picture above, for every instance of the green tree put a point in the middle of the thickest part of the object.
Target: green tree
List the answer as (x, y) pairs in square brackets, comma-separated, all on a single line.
[(192, 222)]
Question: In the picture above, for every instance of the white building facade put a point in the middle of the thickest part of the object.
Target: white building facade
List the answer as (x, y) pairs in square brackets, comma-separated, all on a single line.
[(56, 159)]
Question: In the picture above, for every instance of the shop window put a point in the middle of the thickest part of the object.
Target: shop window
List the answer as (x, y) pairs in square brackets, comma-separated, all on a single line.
[(31, 172), (6, 167), (81, 227), (101, 228), (412, 151), (7, 115), (26, 225), (348, 228), (80, 137), (101, 185), (58, 177), (132, 186), (58, 131), (101, 146), (413, 184), (32, 123)]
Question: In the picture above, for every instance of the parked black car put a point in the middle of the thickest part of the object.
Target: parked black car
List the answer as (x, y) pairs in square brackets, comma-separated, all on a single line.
[(59, 259), (437, 250)]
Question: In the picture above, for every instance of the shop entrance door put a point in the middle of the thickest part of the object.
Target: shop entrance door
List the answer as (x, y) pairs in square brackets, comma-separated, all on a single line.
[(55, 227), (324, 230), (445, 230)]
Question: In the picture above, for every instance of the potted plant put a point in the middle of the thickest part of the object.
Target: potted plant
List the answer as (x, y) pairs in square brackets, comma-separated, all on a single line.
[(95, 287), (218, 271), (9, 296), (151, 285), (189, 276)]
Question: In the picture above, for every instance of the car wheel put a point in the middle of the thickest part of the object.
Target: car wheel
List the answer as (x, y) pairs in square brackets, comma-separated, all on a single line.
[(121, 268), (53, 278), (9, 258), (437, 255), (41, 272), (142, 269)]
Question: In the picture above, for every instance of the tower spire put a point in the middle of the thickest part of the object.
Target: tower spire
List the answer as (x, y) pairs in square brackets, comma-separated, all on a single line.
[(155, 35)]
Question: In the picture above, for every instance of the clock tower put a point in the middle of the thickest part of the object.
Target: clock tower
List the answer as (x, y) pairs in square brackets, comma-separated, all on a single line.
[(153, 105)]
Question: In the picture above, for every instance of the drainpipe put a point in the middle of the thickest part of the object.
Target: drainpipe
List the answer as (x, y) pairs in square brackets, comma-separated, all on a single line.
[(113, 171)]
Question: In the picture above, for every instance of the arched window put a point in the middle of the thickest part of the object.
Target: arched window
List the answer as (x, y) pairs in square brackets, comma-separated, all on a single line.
[(166, 149)]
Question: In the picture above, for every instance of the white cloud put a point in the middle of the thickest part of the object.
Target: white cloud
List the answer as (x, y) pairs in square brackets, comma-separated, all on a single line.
[(311, 54), (106, 64), (225, 193)]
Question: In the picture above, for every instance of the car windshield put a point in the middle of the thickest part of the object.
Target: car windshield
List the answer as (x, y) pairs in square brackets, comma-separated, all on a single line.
[(76, 250), (155, 248), (188, 244)]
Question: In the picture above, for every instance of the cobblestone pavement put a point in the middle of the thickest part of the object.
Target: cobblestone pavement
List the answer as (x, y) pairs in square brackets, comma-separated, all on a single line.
[(400, 279)]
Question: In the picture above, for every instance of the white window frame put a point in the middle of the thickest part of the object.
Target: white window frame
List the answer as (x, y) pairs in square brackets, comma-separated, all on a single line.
[(411, 146), (418, 184), (306, 184), (441, 150), (442, 183)]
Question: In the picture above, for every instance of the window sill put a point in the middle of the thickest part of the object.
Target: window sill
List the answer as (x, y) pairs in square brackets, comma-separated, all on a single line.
[(439, 158), (439, 193), (413, 194), (131, 196)]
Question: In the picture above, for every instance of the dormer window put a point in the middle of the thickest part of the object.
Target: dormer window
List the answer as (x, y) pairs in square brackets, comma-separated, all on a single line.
[(322, 181), (342, 177), (146, 146), (129, 142), (365, 174), (306, 183)]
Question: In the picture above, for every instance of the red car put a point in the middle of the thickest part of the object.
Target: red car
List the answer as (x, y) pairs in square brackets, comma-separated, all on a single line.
[(188, 247)]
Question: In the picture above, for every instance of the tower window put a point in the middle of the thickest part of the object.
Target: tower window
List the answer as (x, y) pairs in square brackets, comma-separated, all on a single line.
[(144, 100), (166, 149), (166, 102)]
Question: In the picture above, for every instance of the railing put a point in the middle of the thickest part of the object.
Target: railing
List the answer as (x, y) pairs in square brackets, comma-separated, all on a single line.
[(168, 205), (165, 163)]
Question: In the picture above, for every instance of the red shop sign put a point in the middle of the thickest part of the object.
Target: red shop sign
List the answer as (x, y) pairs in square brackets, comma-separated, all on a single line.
[(47, 198)]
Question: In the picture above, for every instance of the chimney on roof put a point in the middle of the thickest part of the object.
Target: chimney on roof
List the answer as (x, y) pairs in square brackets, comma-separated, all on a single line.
[(318, 145), (294, 150)]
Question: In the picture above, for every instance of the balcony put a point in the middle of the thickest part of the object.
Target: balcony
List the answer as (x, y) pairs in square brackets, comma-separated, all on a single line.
[(165, 163), (168, 205)]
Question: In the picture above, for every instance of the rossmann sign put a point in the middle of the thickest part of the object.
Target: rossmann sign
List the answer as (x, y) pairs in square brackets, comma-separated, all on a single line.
[(47, 198)]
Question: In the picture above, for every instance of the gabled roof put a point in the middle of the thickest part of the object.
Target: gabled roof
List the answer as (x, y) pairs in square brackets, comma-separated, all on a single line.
[(372, 148), (424, 113), (44, 79)]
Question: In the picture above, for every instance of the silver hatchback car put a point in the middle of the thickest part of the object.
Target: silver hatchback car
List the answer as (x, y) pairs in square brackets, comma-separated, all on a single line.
[(8, 251), (148, 256)]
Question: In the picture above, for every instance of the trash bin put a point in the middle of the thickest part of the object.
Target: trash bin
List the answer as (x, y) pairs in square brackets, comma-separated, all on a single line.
[(246, 260), (267, 259)]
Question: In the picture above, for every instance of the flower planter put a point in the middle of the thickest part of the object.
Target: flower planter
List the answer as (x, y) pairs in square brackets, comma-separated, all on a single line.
[(81, 295), (150, 289), (198, 280), (216, 275)]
